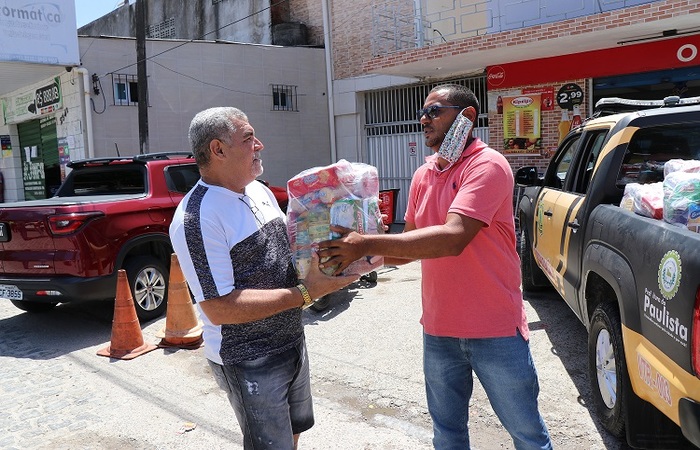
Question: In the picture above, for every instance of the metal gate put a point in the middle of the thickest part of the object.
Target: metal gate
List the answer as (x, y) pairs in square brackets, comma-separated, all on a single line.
[(395, 144)]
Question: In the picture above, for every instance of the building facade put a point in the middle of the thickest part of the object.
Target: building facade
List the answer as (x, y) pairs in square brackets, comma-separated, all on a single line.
[(39, 45), (282, 89), (536, 65), (539, 64)]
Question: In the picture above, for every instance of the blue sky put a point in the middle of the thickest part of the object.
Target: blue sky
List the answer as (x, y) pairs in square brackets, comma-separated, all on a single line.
[(88, 10)]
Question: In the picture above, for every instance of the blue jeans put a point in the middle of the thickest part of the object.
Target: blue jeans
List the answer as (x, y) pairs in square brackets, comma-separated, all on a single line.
[(505, 369)]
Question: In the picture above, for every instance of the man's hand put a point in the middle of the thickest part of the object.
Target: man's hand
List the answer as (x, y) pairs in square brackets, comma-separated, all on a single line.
[(340, 253), (320, 284)]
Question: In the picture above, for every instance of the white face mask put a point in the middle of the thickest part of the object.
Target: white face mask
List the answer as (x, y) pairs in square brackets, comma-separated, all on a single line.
[(455, 139)]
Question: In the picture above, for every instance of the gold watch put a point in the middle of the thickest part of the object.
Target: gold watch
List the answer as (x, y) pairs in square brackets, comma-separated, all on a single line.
[(308, 301)]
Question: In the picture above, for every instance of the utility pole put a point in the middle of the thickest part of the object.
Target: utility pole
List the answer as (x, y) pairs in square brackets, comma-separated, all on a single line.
[(141, 76)]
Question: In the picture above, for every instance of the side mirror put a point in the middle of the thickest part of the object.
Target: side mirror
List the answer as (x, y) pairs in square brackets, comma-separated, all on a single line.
[(526, 176)]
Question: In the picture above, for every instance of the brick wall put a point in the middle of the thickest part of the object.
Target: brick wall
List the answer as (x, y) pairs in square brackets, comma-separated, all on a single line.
[(549, 122), (352, 32), (582, 25)]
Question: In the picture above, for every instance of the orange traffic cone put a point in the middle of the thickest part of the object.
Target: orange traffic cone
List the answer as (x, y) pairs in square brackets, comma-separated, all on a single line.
[(127, 339), (182, 329)]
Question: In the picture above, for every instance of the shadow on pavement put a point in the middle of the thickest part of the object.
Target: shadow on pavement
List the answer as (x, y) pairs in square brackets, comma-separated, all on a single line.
[(62, 330), (339, 301), (569, 340)]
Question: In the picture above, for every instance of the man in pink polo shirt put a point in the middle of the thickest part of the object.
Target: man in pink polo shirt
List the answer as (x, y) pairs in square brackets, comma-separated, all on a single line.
[(459, 222)]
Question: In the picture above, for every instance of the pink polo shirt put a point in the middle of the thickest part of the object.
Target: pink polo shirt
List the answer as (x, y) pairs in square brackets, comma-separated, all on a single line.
[(477, 293)]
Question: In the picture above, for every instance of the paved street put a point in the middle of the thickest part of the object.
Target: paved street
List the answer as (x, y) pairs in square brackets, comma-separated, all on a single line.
[(365, 350)]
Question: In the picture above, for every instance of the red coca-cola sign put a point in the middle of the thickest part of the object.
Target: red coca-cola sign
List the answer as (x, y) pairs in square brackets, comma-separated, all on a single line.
[(495, 76)]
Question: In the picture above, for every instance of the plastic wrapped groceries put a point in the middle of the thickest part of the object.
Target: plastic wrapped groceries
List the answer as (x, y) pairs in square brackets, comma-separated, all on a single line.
[(681, 165), (644, 199), (345, 194), (681, 196), (694, 217)]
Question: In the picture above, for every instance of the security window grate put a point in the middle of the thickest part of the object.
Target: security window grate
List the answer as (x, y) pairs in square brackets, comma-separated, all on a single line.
[(126, 89), (284, 97)]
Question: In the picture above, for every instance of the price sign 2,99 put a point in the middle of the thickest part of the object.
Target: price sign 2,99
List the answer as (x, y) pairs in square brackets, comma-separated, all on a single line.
[(569, 95)]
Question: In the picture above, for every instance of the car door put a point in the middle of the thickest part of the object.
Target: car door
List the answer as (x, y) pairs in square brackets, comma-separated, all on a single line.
[(559, 210), (550, 216)]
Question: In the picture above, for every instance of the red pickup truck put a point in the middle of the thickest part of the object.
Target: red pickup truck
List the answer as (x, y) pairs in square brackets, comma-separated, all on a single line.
[(109, 214)]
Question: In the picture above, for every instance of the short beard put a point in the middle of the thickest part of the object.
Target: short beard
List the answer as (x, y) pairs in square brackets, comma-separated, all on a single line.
[(433, 142), (258, 168)]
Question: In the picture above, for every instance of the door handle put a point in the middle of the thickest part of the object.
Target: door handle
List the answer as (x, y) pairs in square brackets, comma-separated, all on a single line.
[(548, 213)]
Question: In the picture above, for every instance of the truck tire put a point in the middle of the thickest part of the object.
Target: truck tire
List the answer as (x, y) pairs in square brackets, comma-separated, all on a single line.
[(607, 369), (33, 307), (148, 280), (321, 304), (532, 276), (370, 277)]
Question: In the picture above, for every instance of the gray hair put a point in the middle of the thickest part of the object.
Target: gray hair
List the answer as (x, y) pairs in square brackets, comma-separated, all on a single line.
[(213, 123)]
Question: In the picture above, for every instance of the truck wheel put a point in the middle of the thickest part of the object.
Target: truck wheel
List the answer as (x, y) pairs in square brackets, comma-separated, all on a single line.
[(33, 307), (607, 370), (321, 304), (148, 279), (370, 277), (533, 277)]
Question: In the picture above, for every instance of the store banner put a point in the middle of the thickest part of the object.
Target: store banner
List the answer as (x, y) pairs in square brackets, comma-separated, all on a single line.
[(39, 32), (680, 52), (522, 124), (38, 100)]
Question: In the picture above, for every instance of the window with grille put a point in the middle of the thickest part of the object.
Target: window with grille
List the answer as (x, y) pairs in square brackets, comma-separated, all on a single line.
[(284, 98), (126, 89)]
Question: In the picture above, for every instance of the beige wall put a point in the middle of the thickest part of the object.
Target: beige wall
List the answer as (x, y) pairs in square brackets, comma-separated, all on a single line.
[(199, 75)]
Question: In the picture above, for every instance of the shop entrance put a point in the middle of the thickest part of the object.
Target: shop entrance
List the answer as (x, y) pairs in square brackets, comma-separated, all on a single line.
[(41, 173)]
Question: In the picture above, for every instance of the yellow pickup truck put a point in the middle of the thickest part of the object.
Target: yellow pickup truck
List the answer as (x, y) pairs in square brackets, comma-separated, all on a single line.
[(632, 280)]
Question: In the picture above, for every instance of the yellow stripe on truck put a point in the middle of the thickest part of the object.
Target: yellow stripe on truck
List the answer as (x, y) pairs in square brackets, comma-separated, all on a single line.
[(655, 377)]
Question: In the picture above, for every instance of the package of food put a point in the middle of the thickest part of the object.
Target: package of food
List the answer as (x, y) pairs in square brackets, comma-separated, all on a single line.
[(681, 194), (345, 194), (681, 165), (644, 199), (694, 217)]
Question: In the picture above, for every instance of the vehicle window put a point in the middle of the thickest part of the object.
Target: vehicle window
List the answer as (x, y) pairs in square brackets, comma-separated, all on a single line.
[(558, 172), (106, 180), (181, 178), (594, 144), (650, 148)]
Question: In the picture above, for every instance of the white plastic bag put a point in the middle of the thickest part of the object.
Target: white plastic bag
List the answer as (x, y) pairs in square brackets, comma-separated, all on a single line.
[(345, 194)]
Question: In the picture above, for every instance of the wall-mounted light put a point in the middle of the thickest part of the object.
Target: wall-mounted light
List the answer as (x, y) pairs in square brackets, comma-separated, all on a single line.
[(95, 84)]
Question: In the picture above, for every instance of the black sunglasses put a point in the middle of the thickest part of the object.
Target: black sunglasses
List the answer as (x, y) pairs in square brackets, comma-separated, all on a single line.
[(259, 217), (432, 111)]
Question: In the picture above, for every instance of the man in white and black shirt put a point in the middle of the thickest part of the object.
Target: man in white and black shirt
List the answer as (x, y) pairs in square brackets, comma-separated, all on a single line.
[(231, 240)]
